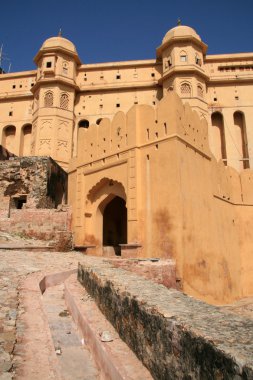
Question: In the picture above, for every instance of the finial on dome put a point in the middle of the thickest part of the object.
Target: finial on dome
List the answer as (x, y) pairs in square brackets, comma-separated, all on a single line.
[(60, 33), (179, 22)]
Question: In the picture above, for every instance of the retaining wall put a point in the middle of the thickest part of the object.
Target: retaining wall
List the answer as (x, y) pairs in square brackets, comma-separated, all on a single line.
[(175, 336)]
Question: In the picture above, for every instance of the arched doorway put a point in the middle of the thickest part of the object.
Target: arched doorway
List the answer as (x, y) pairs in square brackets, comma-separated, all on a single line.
[(115, 224)]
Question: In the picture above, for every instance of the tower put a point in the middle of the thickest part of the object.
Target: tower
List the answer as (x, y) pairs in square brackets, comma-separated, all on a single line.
[(54, 93), (182, 53)]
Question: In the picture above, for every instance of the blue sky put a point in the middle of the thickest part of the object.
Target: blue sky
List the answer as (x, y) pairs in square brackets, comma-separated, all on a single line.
[(116, 30)]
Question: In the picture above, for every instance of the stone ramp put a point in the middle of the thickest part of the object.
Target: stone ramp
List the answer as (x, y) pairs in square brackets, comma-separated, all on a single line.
[(74, 356), (52, 348)]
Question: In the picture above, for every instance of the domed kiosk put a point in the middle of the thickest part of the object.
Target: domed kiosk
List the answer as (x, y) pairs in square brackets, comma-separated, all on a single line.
[(61, 42), (58, 44), (181, 33)]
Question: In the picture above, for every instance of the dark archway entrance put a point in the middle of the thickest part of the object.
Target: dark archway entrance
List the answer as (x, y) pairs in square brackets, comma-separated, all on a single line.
[(115, 224)]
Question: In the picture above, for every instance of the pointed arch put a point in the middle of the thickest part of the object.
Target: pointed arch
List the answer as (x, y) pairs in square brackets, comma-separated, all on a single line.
[(185, 89), (107, 185)]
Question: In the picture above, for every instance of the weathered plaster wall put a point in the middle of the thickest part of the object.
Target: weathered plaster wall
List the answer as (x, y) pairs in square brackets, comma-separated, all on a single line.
[(181, 203), (175, 336)]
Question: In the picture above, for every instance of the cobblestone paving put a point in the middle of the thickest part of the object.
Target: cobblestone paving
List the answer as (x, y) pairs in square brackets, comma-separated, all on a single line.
[(15, 266)]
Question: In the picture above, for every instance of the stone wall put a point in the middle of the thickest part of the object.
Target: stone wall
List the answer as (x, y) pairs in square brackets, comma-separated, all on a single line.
[(38, 180), (160, 271), (32, 196), (175, 336), (44, 224), (4, 153)]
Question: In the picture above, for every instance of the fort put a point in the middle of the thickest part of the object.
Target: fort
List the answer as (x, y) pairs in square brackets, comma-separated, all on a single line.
[(146, 165), (158, 154)]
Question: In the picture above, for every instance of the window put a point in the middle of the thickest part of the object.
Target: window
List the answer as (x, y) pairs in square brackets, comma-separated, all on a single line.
[(118, 76), (65, 68), (83, 123), (48, 65), (200, 91), (153, 74), (117, 105), (186, 89), (10, 113), (183, 56), (48, 99), (14, 86), (197, 60), (64, 101)]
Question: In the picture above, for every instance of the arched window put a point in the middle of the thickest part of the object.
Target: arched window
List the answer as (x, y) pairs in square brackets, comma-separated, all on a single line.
[(25, 143), (8, 139), (48, 99), (219, 143), (197, 59), (200, 91), (167, 62), (64, 101), (241, 139), (185, 89), (83, 123), (183, 56), (65, 68)]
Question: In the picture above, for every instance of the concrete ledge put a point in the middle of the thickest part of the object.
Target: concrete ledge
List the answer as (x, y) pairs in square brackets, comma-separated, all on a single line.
[(175, 336)]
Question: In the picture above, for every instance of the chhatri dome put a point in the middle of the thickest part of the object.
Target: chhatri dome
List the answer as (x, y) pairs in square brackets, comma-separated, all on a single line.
[(59, 41), (180, 31)]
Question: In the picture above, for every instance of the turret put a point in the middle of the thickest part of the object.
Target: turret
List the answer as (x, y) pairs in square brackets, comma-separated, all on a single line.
[(54, 92), (182, 54)]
